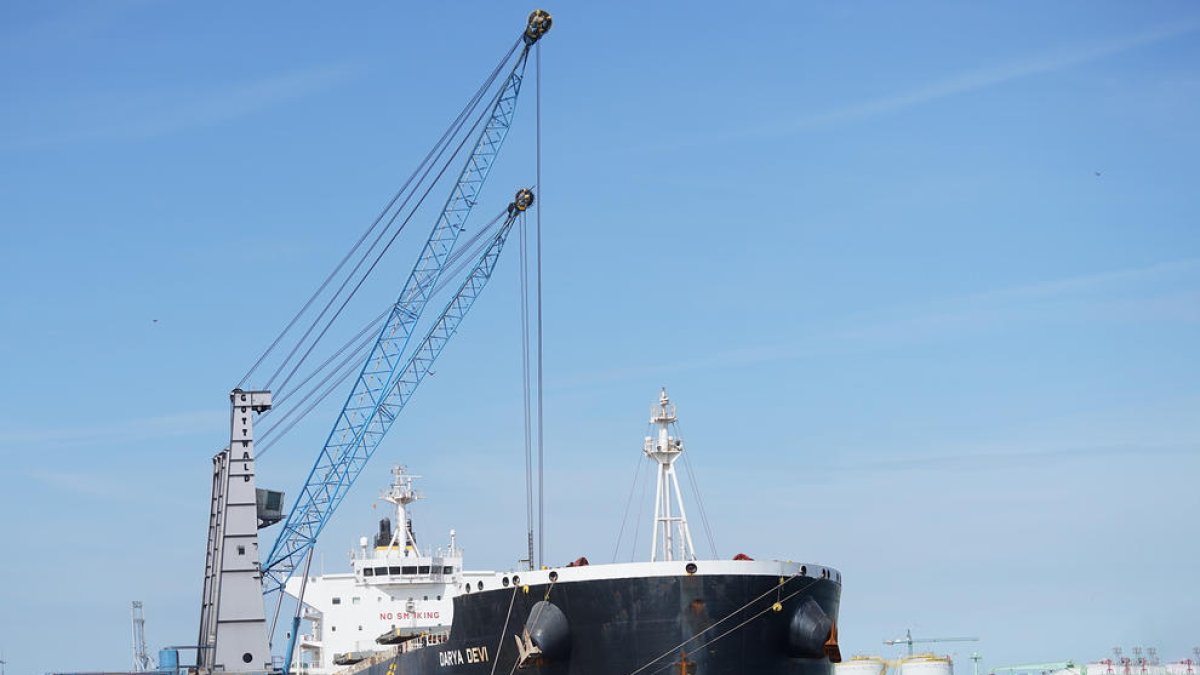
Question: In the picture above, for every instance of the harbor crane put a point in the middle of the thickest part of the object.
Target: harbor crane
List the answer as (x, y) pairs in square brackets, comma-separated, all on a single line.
[(909, 640), (234, 631)]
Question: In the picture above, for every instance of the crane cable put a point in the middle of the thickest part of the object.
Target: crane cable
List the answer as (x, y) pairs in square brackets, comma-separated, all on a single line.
[(526, 391), (540, 417), (371, 268), (433, 153), (463, 256)]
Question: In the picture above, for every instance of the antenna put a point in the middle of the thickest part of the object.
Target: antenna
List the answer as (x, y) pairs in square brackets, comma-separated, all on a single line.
[(909, 640), (976, 657)]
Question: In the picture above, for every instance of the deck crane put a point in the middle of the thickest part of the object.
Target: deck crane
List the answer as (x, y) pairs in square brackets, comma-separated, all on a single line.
[(233, 629), (909, 640)]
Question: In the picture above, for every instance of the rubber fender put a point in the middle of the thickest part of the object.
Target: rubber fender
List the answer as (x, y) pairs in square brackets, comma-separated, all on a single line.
[(548, 629), (808, 631)]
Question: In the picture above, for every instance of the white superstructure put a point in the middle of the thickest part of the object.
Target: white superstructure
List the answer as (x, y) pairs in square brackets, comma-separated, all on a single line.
[(393, 587)]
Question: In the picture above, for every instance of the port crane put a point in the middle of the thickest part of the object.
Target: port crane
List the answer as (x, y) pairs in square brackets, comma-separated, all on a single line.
[(909, 640), (234, 632)]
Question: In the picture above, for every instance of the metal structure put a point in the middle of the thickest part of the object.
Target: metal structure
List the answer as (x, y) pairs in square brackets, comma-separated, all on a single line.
[(423, 356), (233, 626), (386, 380), (909, 640), (141, 656), (664, 448)]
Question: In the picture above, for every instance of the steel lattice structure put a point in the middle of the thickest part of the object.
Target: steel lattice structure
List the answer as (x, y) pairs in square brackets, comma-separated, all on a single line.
[(384, 386)]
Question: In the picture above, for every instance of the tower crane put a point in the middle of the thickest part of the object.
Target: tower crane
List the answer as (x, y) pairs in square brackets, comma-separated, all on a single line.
[(909, 640), (233, 628)]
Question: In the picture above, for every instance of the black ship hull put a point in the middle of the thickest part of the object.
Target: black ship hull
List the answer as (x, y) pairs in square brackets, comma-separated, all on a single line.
[(701, 624)]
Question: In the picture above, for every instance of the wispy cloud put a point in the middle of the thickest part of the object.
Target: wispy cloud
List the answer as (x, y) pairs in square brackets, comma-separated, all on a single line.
[(79, 484), (971, 459), (1049, 61), (133, 116), (1133, 293), (162, 426), (984, 78)]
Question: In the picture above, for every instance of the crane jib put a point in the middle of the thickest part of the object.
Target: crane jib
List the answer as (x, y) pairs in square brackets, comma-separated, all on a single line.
[(359, 427)]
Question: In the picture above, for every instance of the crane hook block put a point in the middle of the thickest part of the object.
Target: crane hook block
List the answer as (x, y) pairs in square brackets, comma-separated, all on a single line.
[(539, 25), (522, 201)]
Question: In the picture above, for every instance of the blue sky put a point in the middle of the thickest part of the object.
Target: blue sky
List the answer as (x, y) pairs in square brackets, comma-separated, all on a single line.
[(924, 279)]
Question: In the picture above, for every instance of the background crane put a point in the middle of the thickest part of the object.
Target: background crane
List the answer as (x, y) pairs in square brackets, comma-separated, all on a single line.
[(909, 640), (141, 656)]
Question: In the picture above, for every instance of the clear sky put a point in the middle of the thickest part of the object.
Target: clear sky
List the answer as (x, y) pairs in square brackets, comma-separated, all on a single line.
[(923, 278)]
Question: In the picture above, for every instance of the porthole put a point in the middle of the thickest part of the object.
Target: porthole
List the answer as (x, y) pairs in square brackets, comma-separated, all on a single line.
[(804, 570), (553, 576), (247, 657), (516, 580), (504, 582), (480, 585)]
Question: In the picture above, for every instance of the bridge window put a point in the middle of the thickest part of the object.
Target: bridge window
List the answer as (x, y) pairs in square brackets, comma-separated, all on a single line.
[(367, 572), (395, 570), (381, 571), (337, 601), (424, 569), (407, 569), (447, 570)]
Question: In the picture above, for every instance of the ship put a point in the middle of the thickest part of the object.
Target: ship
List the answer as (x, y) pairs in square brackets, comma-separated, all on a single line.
[(404, 610)]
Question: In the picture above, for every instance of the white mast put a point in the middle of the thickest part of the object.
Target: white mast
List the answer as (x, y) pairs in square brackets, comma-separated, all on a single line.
[(665, 449), (401, 494)]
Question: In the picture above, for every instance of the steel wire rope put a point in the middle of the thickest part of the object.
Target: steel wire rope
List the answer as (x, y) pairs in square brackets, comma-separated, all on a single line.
[(341, 371), (537, 49), (774, 589), (472, 102), (363, 338), (628, 503), (687, 469), (504, 631), (702, 645), (382, 252), (360, 348), (637, 527), (527, 408), (387, 246)]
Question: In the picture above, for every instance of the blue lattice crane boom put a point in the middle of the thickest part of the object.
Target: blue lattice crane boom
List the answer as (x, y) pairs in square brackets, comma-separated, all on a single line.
[(387, 380), (419, 362)]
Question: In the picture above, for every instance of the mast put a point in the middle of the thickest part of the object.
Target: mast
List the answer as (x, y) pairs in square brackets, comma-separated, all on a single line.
[(664, 448), (401, 494)]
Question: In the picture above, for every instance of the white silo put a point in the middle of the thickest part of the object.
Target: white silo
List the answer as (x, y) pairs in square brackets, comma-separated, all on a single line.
[(926, 664), (861, 665)]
